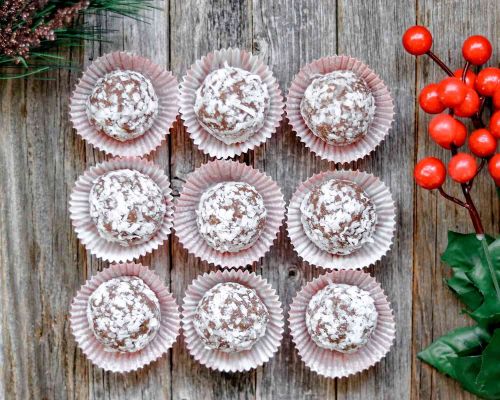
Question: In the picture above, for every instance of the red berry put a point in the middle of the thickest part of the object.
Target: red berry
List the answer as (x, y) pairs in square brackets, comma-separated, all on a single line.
[(462, 167), (495, 124), (477, 49), (447, 131), (469, 106), (452, 91), (429, 99), (430, 173), (494, 167), (417, 40), (470, 77), (482, 143), (487, 81), (496, 98)]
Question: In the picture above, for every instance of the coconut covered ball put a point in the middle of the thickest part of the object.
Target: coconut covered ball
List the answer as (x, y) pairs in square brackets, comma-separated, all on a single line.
[(338, 217), (338, 107), (230, 317), (231, 216), (231, 104), (123, 105), (124, 314), (341, 317), (127, 207)]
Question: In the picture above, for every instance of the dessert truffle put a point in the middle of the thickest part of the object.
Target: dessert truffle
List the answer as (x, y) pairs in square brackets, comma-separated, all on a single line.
[(124, 314), (341, 317), (123, 105), (230, 317), (231, 104), (338, 107), (231, 216), (338, 217), (126, 206)]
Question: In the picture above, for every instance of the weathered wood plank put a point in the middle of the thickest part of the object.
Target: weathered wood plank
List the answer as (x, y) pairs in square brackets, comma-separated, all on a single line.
[(371, 31), (198, 28), (435, 309), (287, 35)]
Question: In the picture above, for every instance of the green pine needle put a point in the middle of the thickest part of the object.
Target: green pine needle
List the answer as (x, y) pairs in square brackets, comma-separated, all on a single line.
[(45, 58)]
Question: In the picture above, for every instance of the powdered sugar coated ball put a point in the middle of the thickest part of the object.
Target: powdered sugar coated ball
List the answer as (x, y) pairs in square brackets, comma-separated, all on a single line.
[(231, 104), (231, 216), (338, 216), (338, 107), (124, 314), (341, 317), (123, 105), (126, 206), (230, 317)]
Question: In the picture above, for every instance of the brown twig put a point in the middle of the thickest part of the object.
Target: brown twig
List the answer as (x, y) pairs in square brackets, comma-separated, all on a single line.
[(439, 62)]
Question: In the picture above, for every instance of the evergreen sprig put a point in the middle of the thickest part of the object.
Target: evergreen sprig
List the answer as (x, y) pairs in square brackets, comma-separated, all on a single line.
[(31, 31)]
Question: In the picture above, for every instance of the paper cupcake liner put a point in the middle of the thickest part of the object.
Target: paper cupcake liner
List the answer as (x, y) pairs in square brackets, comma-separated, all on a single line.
[(165, 86), (116, 361), (379, 128), (366, 255), (208, 175), (262, 351), (85, 228), (330, 363), (194, 79)]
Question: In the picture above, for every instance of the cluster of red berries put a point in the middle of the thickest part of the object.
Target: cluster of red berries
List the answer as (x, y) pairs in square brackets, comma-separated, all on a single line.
[(464, 94)]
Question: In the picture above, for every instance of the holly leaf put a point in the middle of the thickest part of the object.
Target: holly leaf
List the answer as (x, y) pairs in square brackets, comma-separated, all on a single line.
[(486, 277), (457, 343), (465, 290), (488, 379), (461, 255)]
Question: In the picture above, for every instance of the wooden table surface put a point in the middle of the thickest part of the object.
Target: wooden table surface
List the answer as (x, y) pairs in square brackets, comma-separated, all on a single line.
[(43, 265)]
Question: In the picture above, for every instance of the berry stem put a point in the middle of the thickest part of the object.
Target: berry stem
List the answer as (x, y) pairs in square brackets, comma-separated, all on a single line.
[(469, 203), (439, 62), (451, 198), (465, 70)]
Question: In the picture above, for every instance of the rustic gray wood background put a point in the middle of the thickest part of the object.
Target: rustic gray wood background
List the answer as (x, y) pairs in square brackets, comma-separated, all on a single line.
[(42, 264)]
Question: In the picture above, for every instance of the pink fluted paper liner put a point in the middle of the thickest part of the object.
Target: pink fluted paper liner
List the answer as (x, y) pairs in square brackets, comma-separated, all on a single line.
[(79, 210), (202, 179), (165, 86), (262, 351), (116, 361), (367, 255), (330, 363), (194, 78), (379, 128)]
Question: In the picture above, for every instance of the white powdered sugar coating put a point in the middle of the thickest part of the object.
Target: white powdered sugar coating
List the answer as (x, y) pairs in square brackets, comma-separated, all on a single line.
[(232, 104), (231, 216), (338, 216), (341, 317), (123, 105), (126, 206), (338, 107), (230, 317), (124, 314)]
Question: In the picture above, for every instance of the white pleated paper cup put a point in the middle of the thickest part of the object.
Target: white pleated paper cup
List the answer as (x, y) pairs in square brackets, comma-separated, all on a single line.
[(85, 228), (198, 183), (369, 253), (118, 361), (262, 351), (334, 364), (378, 129), (164, 84), (195, 77)]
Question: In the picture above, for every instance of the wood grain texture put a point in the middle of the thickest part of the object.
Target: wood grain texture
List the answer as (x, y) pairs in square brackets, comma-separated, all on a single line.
[(42, 265), (436, 309)]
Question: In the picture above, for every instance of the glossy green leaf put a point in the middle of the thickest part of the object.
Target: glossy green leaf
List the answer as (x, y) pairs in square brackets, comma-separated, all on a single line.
[(465, 290), (459, 342), (462, 250), (488, 379), (466, 370)]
